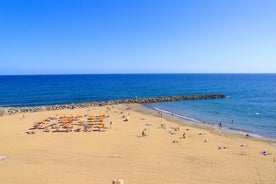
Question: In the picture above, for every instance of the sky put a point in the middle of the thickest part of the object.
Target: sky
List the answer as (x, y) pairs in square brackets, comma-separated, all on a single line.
[(137, 36)]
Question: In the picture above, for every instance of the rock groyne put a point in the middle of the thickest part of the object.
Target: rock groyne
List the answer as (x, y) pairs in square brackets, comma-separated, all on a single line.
[(15, 110)]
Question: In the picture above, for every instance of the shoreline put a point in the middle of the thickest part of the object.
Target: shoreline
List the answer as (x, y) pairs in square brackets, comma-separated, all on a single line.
[(208, 127), (142, 108)]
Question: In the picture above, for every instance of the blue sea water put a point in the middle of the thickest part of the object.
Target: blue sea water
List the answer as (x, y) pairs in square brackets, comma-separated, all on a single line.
[(250, 102)]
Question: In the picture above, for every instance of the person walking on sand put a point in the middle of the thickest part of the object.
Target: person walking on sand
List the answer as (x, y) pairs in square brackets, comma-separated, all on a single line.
[(144, 133), (110, 124), (184, 136)]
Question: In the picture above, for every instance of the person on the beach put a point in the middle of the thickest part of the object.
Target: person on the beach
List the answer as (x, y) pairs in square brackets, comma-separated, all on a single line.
[(163, 126), (220, 125), (110, 124), (30, 132), (184, 136), (86, 127), (144, 133)]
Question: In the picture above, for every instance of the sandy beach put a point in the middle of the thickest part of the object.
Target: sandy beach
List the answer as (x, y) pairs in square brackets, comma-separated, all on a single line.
[(163, 155)]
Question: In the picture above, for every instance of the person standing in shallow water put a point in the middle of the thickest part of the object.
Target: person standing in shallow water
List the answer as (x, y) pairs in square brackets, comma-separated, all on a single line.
[(220, 125)]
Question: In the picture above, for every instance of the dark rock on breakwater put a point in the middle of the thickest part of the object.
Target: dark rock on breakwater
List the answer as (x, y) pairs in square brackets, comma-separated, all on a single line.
[(15, 110)]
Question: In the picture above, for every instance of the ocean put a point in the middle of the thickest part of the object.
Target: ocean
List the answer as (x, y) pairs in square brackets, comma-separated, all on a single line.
[(250, 102)]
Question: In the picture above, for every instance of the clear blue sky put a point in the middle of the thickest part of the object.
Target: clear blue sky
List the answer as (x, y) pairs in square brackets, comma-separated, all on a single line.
[(137, 36)]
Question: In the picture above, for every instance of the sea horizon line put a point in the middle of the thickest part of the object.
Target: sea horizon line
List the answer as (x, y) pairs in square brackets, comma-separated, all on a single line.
[(64, 74)]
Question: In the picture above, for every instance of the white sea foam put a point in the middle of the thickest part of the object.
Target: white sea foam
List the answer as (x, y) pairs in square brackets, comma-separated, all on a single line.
[(176, 115)]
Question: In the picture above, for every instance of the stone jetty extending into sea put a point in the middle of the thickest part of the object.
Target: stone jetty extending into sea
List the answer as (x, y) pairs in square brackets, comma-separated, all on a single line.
[(15, 110)]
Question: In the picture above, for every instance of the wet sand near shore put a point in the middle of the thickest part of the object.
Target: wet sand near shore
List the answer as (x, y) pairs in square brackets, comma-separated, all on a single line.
[(163, 155)]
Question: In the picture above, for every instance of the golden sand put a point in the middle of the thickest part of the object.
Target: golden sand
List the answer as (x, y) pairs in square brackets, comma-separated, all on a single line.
[(163, 156)]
